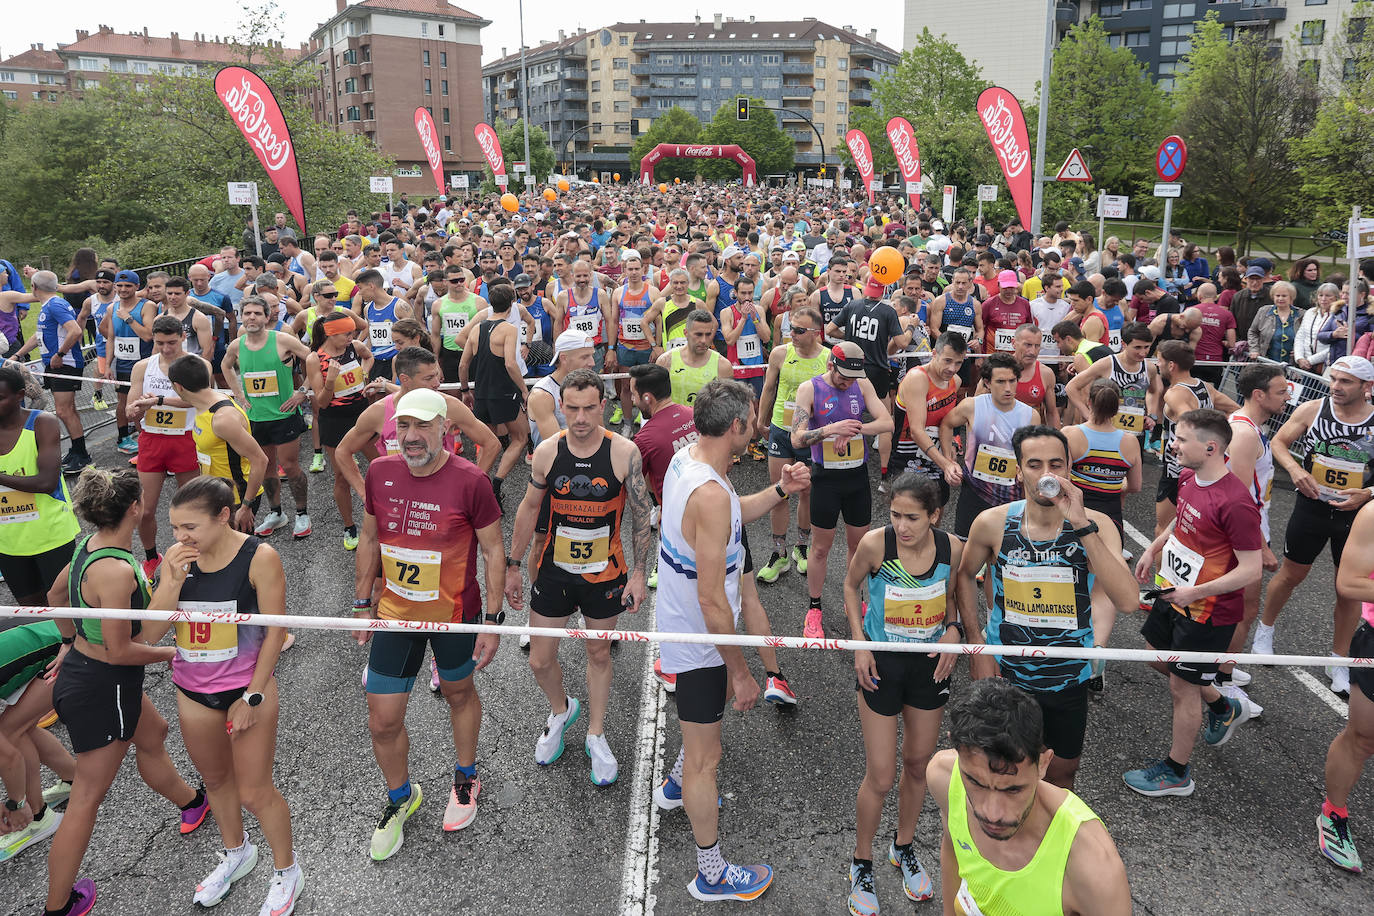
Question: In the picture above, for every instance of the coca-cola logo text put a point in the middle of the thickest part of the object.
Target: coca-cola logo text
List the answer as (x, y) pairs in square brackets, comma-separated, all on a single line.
[(859, 150), (250, 110), (426, 130), (700, 151), (1000, 123), (491, 148), (905, 148)]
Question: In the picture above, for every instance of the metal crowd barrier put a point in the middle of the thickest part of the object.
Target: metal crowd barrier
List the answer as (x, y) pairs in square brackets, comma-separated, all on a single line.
[(1305, 386)]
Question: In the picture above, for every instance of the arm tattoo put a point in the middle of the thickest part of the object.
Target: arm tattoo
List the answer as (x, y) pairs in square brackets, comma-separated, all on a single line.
[(801, 417), (637, 494)]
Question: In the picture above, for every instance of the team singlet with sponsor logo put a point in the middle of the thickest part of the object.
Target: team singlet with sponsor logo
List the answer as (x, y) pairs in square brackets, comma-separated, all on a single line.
[(584, 501)]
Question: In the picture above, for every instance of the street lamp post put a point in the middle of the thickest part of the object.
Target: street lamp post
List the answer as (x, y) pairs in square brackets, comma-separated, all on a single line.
[(571, 137), (525, 94), (803, 116)]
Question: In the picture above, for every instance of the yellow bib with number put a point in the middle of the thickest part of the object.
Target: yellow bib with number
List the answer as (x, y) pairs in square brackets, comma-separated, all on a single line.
[(167, 421), (914, 614), (412, 574), (348, 382), (839, 459), (17, 506), (207, 642), (1336, 474), (581, 550), (995, 465), (261, 384), (1131, 419), (1039, 596)]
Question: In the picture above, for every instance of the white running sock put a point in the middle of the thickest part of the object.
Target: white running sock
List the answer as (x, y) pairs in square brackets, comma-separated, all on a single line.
[(711, 863), (676, 774)]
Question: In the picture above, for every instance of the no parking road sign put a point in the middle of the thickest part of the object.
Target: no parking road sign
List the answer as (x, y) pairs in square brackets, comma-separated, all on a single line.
[(1170, 159)]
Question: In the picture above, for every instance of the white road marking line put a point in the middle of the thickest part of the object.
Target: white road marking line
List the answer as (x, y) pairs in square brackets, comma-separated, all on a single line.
[(1301, 675), (640, 871)]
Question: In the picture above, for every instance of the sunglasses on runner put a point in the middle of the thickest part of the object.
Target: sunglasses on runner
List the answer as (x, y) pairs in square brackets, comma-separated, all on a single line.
[(324, 295), (797, 331)]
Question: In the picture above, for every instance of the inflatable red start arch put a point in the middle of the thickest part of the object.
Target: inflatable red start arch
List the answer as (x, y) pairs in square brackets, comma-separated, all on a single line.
[(698, 151)]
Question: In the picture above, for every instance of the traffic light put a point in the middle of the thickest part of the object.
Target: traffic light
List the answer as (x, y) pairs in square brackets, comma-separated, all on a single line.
[(822, 171), (743, 111)]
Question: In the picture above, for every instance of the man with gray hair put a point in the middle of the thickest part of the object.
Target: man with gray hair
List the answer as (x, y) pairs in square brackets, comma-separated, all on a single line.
[(58, 337), (701, 556)]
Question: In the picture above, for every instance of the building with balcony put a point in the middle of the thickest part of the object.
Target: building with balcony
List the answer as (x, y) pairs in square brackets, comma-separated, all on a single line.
[(629, 73), (379, 60), (32, 77)]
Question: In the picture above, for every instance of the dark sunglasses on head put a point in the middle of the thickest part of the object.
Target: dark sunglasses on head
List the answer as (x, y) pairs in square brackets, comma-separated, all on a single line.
[(324, 295)]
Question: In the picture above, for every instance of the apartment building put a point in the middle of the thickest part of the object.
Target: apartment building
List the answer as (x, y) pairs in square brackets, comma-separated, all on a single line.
[(379, 60), (596, 90)]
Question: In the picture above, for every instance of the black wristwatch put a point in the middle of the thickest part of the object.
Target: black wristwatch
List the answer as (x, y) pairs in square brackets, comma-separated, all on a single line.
[(511, 561), (1090, 528), (68, 640), (253, 699), (958, 626), (12, 805), (781, 492), (498, 618)]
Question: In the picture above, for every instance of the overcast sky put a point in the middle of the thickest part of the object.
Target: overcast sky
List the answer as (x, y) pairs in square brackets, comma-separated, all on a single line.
[(28, 23)]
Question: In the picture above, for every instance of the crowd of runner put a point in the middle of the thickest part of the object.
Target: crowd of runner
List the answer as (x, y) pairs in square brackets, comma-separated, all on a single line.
[(631, 347)]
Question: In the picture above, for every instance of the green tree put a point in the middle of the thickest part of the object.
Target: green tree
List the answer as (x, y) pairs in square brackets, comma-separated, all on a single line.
[(1336, 170), (773, 149), (1239, 106), (673, 126), (1102, 101), (512, 137)]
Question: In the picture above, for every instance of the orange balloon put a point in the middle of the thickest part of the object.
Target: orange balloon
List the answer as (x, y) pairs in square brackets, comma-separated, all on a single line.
[(596, 181), (886, 265), (677, 181), (663, 188), (510, 202), (550, 194), (616, 176), (564, 185)]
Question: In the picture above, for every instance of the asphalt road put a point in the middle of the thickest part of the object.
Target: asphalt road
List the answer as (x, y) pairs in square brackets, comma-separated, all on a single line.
[(547, 840)]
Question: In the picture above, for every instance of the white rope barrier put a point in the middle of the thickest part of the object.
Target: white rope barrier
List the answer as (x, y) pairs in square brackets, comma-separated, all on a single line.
[(421, 627)]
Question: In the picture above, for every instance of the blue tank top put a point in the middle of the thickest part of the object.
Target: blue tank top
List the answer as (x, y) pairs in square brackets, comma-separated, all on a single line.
[(634, 309), (725, 298), (379, 322), (1041, 597), (831, 405), (98, 315), (903, 607), (125, 329), (959, 314), (541, 318), (294, 265)]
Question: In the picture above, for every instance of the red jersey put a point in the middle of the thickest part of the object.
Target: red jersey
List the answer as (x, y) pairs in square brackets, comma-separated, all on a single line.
[(1095, 313), (427, 530), (1216, 321), (659, 439), (1032, 393), (1214, 523), (1001, 320)]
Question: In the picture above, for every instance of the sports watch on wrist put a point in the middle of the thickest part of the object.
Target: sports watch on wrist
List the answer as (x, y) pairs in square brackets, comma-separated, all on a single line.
[(498, 618), (253, 699)]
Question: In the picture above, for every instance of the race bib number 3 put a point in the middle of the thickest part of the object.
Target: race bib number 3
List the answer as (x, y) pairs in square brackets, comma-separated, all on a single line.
[(1179, 565), (17, 506), (995, 465), (581, 550), (851, 455), (1336, 474), (412, 574), (1131, 419), (201, 642), (261, 384), (1040, 597), (914, 614)]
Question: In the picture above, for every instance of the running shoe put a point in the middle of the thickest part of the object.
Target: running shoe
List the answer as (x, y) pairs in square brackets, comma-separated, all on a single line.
[(882, 485), (317, 463), (1333, 839), (1217, 730), (1097, 682), (549, 747), (433, 675), (390, 832), (982, 573), (738, 882), (799, 558), (669, 681), (605, 770), (1340, 680), (82, 900), (779, 692), (150, 566), (1159, 779), (524, 641), (274, 520), (302, 527), (38, 830), (57, 793), (72, 463), (284, 891), (1264, 639), (777, 564), (863, 900), (915, 882), (191, 818), (309, 419), (462, 803), (812, 629), (288, 642), (1252, 709), (1240, 677), (128, 445), (617, 415), (668, 795), (232, 866), (652, 581), (50, 719), (98, 403), (756, 451), (350, 540)]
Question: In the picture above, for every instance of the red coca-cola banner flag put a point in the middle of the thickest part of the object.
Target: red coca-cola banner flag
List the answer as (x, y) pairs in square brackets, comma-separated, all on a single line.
[(491, 148), (1006, 126), (862, 153), (429, 141), (258, 117), (903, 140)]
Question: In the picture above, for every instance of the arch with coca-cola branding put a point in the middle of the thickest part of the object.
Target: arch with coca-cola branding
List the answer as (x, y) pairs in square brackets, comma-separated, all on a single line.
[(730, 151)]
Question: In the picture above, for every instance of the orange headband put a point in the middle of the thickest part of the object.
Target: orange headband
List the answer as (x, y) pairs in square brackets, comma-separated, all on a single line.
[(341, 325)]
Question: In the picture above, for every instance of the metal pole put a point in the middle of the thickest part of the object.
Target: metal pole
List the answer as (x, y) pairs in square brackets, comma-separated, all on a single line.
[(979, 225), (1101, 220), (1038, 188), (1168, 218), (1351, 243), (525, 96), (257, 234)]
